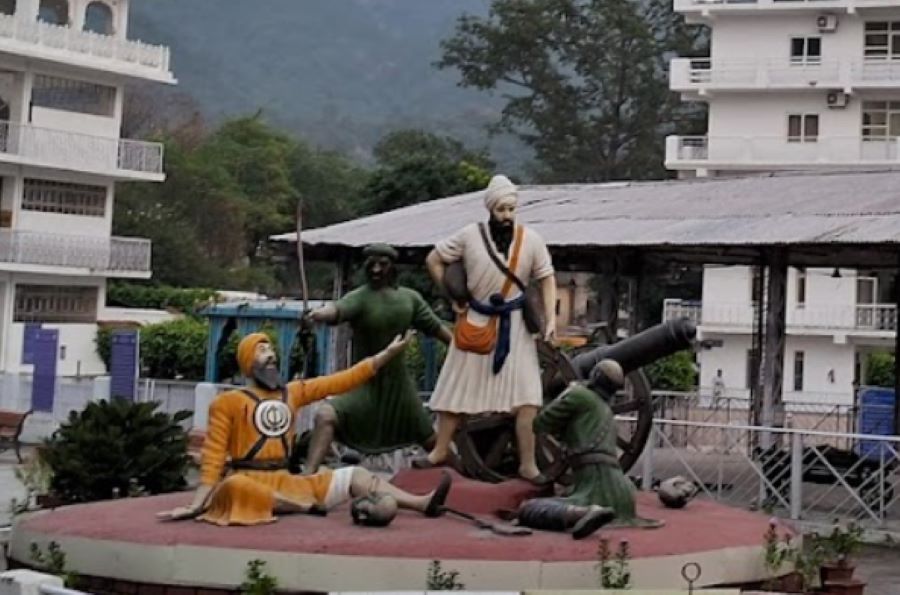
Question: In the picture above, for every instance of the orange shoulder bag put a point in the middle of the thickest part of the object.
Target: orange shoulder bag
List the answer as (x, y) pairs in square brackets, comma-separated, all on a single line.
[(482, 339)]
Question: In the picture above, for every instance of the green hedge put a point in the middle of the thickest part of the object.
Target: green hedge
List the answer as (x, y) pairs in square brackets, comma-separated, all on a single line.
[(157, 297)]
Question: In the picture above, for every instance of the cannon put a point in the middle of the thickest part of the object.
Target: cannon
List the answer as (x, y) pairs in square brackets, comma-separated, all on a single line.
[(486, 444)]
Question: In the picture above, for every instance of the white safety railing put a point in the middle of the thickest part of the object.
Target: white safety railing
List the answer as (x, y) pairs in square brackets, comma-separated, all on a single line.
[(869, 317), (781, 151), (83, 152), (107, 254), (800, 474), (827, 412), (745, 5), (698, 74), (55, 37)]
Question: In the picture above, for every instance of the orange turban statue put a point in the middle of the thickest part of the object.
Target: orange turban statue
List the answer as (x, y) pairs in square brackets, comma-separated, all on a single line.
[(246, 351)]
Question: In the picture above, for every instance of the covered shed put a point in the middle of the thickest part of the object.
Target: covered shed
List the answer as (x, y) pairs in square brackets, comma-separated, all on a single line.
[(837, 219)]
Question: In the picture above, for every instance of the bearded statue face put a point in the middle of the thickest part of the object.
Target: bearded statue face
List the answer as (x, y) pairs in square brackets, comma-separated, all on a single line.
[(265, 366), (380, 271), (504, 212)]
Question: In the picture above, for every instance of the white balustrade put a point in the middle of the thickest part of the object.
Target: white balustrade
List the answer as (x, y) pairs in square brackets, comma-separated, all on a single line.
[(83, 152), (113, 254), (56, 37)]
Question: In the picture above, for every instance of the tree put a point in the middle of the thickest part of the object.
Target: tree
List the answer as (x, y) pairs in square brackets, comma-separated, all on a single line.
[(416, 166), (584, 81)]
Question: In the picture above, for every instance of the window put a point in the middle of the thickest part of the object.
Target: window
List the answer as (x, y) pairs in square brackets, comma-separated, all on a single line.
[(866, 290), (55, 303), (8, 7), (801, 288), (803, 128), (98, 18), (880, 120), (806, 50), (72, 95), (882, 40), (55, 12), (798, 371), (63, 197)]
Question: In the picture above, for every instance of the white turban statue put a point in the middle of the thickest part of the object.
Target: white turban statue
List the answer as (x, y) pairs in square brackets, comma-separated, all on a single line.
[(499, 189)]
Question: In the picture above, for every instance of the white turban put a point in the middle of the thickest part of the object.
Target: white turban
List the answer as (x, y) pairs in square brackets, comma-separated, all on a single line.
[(498, 189)]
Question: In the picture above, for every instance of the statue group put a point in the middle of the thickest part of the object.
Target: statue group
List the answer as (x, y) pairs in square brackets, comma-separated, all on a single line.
[(487, 269)]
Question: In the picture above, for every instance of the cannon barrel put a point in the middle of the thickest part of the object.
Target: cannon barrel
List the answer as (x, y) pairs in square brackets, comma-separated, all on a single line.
[(643, 348)]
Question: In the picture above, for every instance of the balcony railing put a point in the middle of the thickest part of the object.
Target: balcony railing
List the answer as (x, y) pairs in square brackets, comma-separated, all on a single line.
[(54, 37), (705, 74), (779, 152), (703, 6), (80, 152), (862, 317), (101, 254)]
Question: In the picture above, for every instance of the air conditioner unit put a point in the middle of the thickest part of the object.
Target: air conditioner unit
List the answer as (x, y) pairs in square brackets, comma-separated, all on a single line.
[(827, 23), (837, 99)]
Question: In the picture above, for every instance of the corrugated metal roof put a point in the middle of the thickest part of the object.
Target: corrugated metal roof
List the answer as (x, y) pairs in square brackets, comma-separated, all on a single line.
[(824, 208)]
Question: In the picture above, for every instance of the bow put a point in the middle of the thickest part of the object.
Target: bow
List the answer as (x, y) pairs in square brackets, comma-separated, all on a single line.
[(307, 337)]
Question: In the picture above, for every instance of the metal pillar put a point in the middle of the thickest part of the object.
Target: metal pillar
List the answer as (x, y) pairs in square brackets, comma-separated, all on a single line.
[(608, 295), (897, 348), (634, 307), (758, 283), (773, 352)]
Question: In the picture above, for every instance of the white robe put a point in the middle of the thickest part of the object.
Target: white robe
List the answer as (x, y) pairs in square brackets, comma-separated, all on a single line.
[(467, 383)]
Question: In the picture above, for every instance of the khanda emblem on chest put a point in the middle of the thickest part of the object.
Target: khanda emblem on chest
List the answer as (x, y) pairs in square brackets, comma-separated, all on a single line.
[(272, 418)]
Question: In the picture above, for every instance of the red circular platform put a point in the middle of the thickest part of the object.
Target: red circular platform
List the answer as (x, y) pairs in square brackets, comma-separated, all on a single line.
[(122, 539)]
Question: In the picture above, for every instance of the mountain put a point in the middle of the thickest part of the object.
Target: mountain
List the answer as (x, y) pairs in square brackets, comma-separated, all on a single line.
[(340, 73)]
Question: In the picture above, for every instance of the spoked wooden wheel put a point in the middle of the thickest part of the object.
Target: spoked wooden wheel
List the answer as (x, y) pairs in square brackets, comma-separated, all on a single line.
[(487, 444), (636, 403)]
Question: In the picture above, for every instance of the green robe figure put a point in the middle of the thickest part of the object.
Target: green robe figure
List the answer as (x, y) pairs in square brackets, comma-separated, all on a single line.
[(583, 421), (386, 413)]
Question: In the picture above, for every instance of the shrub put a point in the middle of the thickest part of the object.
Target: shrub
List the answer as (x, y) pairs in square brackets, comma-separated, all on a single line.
[(120, 447), (674, 372), (880, 369)]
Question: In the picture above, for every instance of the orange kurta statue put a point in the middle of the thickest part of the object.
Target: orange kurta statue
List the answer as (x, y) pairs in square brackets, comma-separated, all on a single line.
[(244, 478)]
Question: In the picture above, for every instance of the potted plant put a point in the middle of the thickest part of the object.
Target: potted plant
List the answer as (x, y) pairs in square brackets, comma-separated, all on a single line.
[(839, 546), (778, 551), (808, 560)]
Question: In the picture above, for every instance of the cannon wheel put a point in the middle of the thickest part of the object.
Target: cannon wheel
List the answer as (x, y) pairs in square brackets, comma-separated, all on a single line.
[(487, 444)]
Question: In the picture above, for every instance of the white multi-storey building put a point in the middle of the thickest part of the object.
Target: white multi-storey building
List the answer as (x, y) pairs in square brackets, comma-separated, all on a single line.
[(63, 67), (793, 85)]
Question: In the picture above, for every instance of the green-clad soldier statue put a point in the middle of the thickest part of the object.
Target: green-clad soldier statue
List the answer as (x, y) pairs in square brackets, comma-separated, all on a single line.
[(386, 413), (583, 421)]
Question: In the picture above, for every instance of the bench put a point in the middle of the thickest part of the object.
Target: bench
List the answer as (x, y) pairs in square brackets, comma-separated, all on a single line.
[(11, 423)]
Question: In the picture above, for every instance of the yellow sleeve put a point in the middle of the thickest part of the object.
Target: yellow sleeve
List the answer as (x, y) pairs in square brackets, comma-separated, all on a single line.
[(215, 445), (304, 392)]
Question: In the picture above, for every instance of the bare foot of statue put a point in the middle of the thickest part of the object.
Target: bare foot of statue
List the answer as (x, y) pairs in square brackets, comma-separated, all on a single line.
[(534, 476), (431, 460)]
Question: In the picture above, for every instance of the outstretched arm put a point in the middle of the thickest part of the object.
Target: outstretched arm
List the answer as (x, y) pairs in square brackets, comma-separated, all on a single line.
[(326, 314), (307, 391), (212, 464)]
